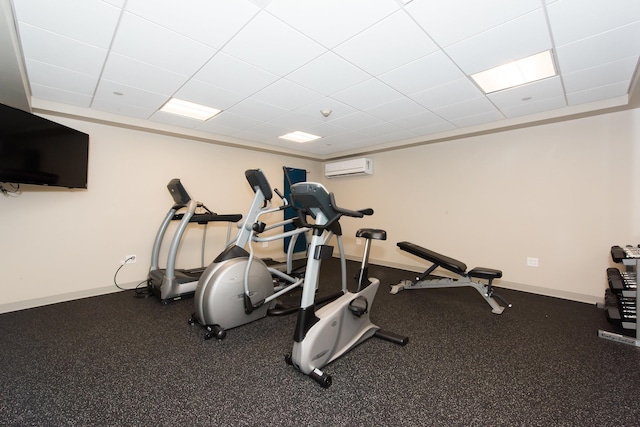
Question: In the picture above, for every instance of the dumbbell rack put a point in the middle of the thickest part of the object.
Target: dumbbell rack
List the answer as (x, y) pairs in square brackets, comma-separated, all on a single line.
[(623, 290)]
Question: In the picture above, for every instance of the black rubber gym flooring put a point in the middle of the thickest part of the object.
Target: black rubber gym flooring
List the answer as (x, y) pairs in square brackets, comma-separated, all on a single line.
[(116, 360)]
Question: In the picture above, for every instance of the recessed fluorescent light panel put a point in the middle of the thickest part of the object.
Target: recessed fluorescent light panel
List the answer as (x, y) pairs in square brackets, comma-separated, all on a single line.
[(189, 109), (298, 136), (522, 71)]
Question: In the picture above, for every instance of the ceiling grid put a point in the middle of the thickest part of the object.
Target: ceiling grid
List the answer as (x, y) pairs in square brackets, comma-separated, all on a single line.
[(389, 73)]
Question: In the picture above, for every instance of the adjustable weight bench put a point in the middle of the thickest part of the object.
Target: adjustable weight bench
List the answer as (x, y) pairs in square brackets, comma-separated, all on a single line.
[(455, 266)]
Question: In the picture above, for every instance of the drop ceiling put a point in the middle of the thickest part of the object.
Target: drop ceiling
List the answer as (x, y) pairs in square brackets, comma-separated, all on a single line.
[(391, 73)]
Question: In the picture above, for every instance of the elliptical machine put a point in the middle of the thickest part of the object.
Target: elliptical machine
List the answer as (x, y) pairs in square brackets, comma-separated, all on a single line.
[(238, 288), (324, 335), (173, 283)]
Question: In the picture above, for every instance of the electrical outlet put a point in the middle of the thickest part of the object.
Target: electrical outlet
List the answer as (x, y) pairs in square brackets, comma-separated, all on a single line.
[(358, 242), (265, 244), (532, 262), (129, 259)]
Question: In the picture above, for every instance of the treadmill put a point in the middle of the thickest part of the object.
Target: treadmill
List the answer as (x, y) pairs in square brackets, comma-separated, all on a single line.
[(171, 283)]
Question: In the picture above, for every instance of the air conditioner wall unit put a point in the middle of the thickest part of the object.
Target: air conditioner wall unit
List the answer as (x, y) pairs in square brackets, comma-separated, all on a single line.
[(348, 167)]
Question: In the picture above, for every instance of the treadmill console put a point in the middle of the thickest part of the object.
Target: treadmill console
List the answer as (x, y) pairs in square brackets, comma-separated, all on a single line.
[(178, 192)]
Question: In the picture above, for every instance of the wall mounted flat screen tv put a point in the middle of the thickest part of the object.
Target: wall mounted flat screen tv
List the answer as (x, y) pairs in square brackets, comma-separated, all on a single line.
[(34, 150)]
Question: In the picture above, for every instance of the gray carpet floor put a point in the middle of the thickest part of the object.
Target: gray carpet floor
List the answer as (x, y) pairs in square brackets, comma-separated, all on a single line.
[(116, 360)]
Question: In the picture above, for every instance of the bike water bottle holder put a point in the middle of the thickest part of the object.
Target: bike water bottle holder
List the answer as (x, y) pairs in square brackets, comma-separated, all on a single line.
[(323, 252)]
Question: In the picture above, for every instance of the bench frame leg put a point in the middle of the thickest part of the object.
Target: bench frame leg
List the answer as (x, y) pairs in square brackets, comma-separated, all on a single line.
[(482, 288)]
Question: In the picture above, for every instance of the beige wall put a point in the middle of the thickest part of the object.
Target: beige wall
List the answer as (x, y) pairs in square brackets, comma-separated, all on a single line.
[(59, 244), (563, 193)]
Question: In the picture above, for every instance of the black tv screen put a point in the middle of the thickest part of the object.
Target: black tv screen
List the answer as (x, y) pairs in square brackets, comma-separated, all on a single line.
[(34, 150)]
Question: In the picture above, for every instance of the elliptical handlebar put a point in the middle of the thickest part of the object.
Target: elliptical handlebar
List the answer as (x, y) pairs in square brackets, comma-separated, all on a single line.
[(275, 190), (285, 202)]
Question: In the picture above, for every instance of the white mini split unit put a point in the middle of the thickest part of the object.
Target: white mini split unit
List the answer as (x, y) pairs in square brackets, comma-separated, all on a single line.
[(349, 167)]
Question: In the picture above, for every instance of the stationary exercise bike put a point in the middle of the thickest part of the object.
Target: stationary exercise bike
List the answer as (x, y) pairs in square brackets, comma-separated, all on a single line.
[(238, 287), (324, 335)]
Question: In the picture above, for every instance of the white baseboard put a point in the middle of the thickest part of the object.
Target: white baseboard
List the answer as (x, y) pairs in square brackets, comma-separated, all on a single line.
[(555, 293), (54, 299)]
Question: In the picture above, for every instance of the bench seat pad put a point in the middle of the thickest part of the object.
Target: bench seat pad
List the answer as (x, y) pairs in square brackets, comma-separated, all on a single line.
[(485, 273)]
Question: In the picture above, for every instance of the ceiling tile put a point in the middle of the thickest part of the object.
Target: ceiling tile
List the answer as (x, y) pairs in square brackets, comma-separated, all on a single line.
[(343, 141), (330, 22), (454, 92), (534, 106), (268, 43), (327, 130), (196, 18), (237, 76), (96, 27), (231, 120), (384, 68), (602, 75), (516, 39), (266, 131), (422, 74), (129, 72), (595, 16), (356, 120), (416, 121), (58, 95), (205, 94), (127, 110), (215, 127), (528, 94), (389, 44), (150, 43), (54, 49), (598, 93), (396, 109), (260, 3), (115, 93), (286, 94), (367, 94), (296, 121), (380, 129), (531, 98), (328, 74), (478, 119), (468, 108), (603, 48), (385, 133), (257, 110), (451, 21), (62, 78), (338, 109), (174, 120), (117, 3), (432, 128)]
